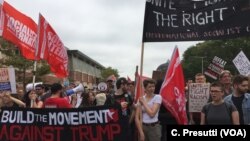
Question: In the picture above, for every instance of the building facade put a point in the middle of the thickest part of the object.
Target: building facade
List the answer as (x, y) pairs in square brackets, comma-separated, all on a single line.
[(83, 69)]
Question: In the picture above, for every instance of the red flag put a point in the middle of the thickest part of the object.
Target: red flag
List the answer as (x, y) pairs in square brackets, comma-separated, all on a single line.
[(1, 17), (51, 48), (20, 30), (129, 80), (139, 89), (172, 90)]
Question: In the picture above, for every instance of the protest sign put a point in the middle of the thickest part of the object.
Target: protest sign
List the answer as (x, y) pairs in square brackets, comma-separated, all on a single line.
[(101, 123), (198, 96), (242, 63), (7, 79)]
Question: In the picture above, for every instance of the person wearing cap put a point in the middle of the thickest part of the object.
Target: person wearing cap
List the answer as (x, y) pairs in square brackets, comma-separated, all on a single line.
[(110, 83), (101, 95), (123, 99), (121, 96), (100, 99)]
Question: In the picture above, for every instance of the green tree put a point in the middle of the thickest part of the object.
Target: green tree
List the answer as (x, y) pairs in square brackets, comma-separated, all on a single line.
[(105, 73), (224, 49), (21, 65)]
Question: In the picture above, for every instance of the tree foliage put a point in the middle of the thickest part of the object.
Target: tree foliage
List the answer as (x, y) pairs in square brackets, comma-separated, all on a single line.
[(13, 57), (224, 49), (105, 73)]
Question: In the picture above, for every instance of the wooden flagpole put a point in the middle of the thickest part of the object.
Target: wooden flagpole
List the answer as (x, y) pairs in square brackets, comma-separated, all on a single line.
[(142, 56), (35, 62), (141, 89), (36, 53)]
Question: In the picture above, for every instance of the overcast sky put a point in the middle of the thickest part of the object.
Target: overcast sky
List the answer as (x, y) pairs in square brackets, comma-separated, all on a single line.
[(108, 31)]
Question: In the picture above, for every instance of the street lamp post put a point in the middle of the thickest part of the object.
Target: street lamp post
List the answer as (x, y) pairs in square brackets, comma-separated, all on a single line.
[(201, 57), (202, 64)]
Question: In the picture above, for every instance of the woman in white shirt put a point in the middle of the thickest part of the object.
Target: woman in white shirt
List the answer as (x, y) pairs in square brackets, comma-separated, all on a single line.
[(148, 110)]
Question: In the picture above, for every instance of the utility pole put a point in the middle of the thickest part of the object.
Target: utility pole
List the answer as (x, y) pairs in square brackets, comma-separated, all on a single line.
[(202, 62)]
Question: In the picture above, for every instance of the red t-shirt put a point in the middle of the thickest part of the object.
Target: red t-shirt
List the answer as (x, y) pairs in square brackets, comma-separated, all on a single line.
[(56, 103)]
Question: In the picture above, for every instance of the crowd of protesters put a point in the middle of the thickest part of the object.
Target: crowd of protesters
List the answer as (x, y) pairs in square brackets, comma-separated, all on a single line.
[(229, 103)]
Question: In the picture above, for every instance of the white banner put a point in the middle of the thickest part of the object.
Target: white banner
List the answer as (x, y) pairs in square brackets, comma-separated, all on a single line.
[(198, 96), (242, 63)]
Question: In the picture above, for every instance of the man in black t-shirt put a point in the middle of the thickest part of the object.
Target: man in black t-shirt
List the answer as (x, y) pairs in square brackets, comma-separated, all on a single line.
[(122, 99)]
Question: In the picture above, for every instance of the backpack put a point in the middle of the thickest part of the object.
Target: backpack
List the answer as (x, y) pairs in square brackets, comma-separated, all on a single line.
[(229, 108)]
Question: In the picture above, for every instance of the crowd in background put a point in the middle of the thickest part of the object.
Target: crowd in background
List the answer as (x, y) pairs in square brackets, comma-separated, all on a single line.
[(229, 103)]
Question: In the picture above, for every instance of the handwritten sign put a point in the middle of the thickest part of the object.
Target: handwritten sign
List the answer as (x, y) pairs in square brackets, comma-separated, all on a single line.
[(215, 68), (7, 79), (198, 96), (242, 63)]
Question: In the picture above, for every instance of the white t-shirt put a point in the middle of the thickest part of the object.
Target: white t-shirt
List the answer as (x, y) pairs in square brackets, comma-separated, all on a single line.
[(145, 117)]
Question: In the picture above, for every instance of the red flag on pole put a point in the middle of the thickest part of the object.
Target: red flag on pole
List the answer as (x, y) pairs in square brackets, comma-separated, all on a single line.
[(51, 48), (129, 80), (20, 30), (172, 90), (139, 89), (1, 17)]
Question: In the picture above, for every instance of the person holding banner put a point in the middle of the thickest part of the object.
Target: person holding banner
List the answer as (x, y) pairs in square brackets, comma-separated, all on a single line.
[(31, 100), (218, 111), (10, 101), (150, 129), (195, 117)]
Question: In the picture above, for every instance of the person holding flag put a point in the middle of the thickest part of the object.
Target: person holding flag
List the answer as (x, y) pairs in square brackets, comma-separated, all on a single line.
[(150, 129)]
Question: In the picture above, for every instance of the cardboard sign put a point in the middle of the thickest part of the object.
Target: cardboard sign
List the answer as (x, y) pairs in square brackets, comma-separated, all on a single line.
[(198, 96), (242, 63), (7, 80)]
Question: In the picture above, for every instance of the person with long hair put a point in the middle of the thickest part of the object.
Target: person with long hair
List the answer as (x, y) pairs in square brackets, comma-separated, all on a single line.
[(88, 99), (31, 100)]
